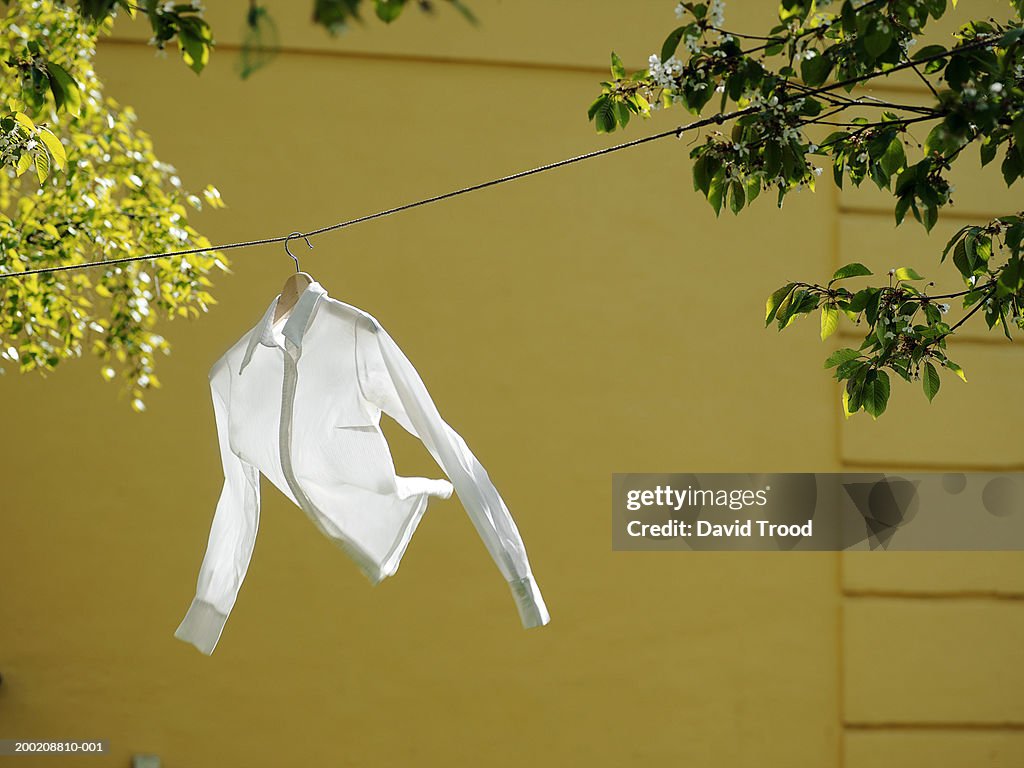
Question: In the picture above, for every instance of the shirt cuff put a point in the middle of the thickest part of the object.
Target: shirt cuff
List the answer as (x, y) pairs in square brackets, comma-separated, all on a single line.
[(201, 626), (532, 609)]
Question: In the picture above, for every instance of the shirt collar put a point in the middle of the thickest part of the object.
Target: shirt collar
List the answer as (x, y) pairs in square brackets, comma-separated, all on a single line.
[(294, 327)]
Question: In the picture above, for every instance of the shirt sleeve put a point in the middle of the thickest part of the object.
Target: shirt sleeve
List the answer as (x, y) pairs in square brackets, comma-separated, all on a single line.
[(390, 382), (232, 535)]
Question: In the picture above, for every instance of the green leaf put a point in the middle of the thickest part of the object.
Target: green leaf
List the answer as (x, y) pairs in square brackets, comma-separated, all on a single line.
[(849, 369), (671, 43), (772, 160), (877, 42), (988, 151), (389, 10), (785, 310), (42, 164), (906, 181), (829, 320), (25, 121), (850, 270), (862, 298), (54, 147), (752, 186), (603, 113), (963, 261), (1011, 279), (621, 113), (775, 300), (1018, 131), (958, 71), (876, 393), (931, 381), (941, 141), (815, 70), (956, 369), (928, 51), (701, 177), (737, 196), (901, 208), (847, 408), (854, 395), (618, 70), (194, 51), (66, 93), (800, 302), (906, 273), (467, 14), (952, 241), (716, 190), (894, 158), (841, 356)]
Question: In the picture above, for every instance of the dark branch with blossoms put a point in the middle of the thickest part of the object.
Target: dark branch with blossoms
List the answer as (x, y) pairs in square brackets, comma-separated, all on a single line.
[(788, 88)]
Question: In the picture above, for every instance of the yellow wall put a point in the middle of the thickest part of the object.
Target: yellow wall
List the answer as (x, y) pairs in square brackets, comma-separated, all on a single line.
[(568, 326)]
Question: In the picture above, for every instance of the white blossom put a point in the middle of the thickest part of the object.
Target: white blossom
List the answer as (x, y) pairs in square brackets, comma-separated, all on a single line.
[(996, 87), (943, 308), (680, 10), (716, 12), (664, 74)]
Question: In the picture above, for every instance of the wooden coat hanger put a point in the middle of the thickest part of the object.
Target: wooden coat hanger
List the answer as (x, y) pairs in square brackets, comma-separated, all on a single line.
[(294, 285)]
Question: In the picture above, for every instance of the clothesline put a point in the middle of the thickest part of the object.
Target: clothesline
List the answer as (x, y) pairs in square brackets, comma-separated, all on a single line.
[(677, 132), (380, 214)]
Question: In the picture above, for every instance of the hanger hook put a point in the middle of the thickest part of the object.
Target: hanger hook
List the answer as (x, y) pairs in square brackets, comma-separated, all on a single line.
[(288, 251)]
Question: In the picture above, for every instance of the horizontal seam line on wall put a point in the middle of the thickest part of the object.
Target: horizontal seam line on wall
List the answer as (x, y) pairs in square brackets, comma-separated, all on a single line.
[(395, 57), (924, 466), (951, 726), (913, 594), (995, 339), (469, 60), (858, 210)]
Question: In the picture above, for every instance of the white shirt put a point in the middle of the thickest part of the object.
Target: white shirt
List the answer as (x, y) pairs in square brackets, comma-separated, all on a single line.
[(300, 402)]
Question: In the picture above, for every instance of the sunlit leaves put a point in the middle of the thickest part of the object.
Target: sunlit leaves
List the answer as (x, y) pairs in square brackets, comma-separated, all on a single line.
[(904, 330), (113, 198)]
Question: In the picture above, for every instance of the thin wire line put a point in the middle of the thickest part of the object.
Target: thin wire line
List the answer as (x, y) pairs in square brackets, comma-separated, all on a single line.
[(677, 132), (369, 217)]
